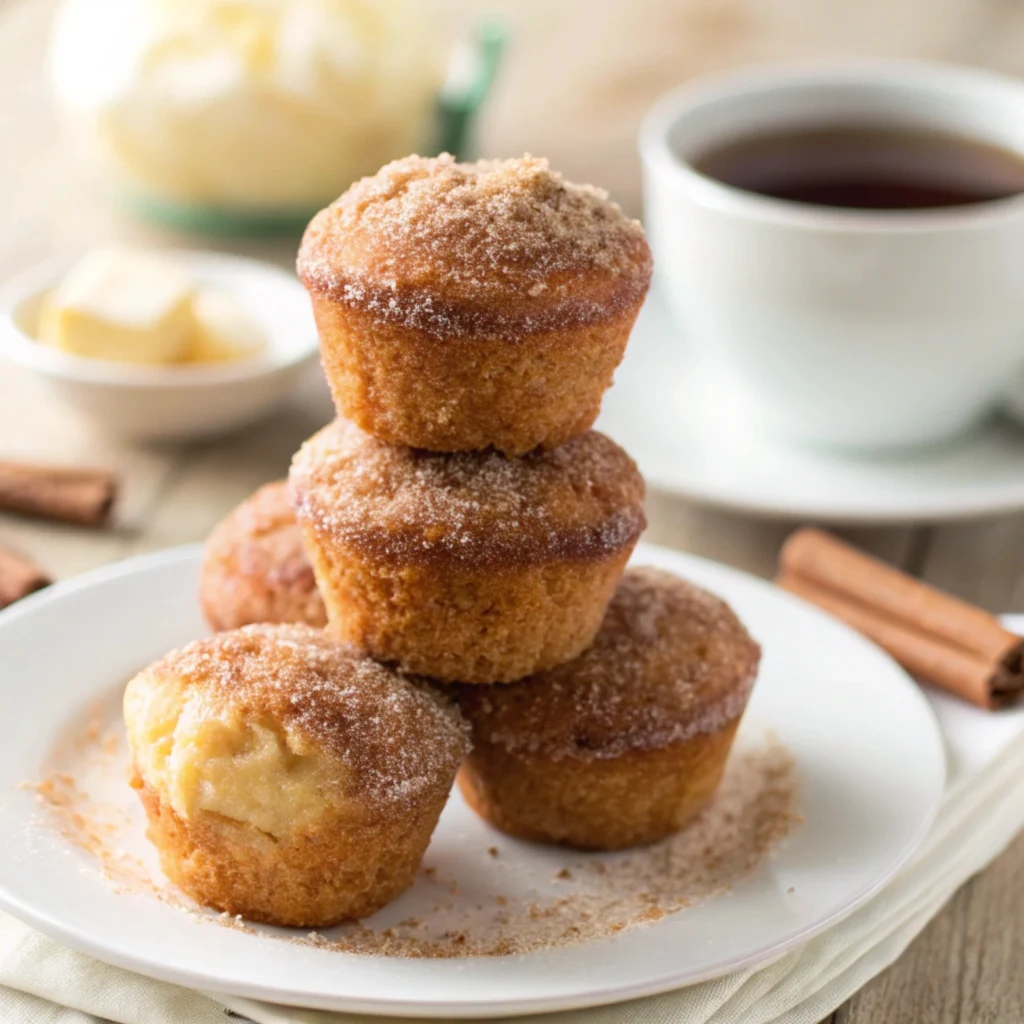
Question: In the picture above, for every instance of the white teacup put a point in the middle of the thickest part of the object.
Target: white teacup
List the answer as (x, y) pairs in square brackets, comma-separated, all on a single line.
[(844, 327)]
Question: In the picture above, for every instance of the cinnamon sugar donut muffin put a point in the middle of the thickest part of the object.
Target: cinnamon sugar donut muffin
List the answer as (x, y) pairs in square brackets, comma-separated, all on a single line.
[(467, 566), (287, 778), (625, 744), (465, 306), (255, 568)]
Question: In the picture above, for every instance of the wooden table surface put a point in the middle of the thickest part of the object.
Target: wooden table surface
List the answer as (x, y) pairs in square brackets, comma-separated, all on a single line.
[(574, 88)]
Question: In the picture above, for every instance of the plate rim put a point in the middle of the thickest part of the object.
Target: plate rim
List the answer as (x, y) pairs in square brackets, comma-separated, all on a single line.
[(437, 1008)]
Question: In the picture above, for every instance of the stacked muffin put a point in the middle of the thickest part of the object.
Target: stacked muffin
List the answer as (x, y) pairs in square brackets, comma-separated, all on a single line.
[(464, 535), (464, 522)]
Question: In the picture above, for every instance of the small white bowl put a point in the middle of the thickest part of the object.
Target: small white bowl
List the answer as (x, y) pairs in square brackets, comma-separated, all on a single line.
[(148, 403)]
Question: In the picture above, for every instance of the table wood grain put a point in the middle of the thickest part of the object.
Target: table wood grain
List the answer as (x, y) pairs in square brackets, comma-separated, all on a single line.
[(576, 81)]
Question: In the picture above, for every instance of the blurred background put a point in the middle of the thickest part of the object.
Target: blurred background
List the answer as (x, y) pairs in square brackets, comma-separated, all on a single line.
[(575, 80), (572, 84)]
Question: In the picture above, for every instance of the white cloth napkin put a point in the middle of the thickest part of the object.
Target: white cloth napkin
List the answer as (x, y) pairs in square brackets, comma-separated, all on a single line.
[(41, 982)]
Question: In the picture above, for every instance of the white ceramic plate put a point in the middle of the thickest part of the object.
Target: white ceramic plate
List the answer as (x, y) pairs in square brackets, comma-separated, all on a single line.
[(864, 738), (691, 437)]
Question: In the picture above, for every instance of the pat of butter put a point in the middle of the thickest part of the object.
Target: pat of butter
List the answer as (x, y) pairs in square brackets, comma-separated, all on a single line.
[(122, 305), (223, 330)]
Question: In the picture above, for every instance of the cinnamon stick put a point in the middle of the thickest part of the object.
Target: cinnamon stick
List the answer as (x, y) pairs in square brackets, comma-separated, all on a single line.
[(70, 495), (819, 556), (935, 636), (19, 576)]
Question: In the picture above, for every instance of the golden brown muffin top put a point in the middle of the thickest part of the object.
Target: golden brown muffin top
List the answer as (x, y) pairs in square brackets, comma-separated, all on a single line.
[(582, 500), (254, 552), (391, 742), (264, 537), (498, 247), (670, 661)]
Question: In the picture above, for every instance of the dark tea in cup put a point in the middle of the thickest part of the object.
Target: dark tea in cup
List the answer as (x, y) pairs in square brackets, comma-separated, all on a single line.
[(867, 168)]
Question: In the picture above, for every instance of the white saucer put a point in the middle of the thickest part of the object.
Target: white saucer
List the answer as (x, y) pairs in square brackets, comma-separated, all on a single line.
[(689, 436), (864, 738)]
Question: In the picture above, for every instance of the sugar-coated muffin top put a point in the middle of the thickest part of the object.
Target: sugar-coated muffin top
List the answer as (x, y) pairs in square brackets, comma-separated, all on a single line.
[(494, 247), (670, 661), (582, 500), (255, 567), (275, 726)]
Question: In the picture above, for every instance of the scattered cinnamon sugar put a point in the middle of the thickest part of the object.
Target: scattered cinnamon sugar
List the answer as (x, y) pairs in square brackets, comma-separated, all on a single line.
[(93, 728), (610, 893), (95, 826), (596, 896)]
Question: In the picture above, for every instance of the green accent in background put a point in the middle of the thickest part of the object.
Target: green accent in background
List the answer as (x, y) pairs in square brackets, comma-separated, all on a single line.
[(457, 112)]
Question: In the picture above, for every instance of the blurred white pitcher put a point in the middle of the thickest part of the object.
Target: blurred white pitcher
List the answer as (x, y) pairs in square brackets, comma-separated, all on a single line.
[(846, 327)]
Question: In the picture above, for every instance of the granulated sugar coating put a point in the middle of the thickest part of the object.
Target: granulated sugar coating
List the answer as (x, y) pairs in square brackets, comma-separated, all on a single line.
[(483, 248), (382, 738), (579, 501), (670, 661), (255, 568)]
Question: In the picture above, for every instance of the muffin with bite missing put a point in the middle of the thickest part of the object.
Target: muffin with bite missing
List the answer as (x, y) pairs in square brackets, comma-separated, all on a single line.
[(468, 306), (287, 778), (625, 744), (466, 566)]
